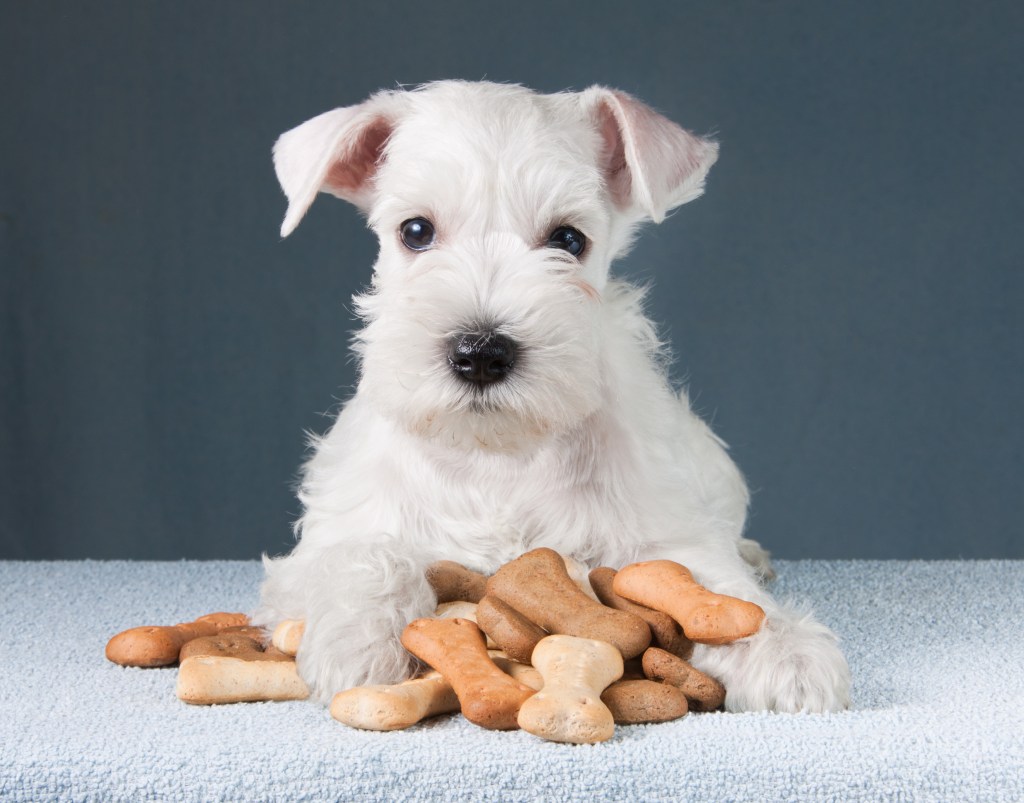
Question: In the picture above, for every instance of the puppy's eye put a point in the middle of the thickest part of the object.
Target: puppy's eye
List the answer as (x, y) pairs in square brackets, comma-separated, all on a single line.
[(568, 239), (417, 234)]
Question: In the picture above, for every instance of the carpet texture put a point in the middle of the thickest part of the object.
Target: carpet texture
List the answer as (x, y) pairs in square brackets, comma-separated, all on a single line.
[(935, 648)]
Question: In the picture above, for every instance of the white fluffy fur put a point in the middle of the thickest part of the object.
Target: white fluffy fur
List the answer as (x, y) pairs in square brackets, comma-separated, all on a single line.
[(585, 448)]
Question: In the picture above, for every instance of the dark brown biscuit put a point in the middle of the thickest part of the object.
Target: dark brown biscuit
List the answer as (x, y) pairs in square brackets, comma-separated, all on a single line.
[(514, 634), (633, 702), (703, 691), (245, 643), (159, 645), (539, 587), (453, 582)]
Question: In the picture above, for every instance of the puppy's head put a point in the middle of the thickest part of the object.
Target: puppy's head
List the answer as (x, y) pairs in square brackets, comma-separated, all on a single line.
[(499, 211)]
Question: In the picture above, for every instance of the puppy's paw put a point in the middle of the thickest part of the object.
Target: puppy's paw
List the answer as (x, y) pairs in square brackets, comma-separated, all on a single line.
[(758, 557), (341, 653), (793, 664)]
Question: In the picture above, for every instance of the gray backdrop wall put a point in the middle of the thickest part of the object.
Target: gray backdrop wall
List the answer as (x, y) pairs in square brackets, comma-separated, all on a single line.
[(845, 302)]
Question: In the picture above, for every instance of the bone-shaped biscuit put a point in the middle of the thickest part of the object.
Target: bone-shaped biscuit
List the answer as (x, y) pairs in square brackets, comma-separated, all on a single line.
[(524, 673), (705, 617), (460, 609), (209, 679), (634, 702), (703, 691), (577, 571), (245, 643), (539, 587), (453, 582), (288, 635), (665, 631), (508, 629), (388, 708), (402, 705), (457, 609), (569, 709), (159, 645), (456, 648)]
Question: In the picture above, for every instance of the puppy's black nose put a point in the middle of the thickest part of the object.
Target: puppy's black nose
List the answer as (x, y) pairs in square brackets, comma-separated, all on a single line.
[(482, 357)]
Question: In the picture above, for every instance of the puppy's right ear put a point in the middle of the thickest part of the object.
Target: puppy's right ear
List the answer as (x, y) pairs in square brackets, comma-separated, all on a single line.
[(336, 152), (651, 165)]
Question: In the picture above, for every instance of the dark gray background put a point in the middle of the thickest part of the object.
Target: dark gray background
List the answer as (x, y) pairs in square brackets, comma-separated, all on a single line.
[(845, 302)]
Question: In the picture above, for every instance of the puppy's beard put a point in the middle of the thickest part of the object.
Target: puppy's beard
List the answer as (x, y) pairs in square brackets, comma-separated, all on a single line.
[(507, 416), (551, 390), (490, 431)]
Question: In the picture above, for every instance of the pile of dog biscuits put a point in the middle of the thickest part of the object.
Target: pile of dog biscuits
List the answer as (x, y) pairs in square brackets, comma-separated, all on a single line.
[(539, 646), (222, 658)]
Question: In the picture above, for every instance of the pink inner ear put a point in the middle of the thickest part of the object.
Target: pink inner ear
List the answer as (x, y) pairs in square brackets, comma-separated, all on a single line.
[(668, 150), (358, 163), (650, 162), (616, 168)]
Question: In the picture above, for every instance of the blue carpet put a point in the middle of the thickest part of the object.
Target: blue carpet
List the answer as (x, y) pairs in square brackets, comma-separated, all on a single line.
[(936, 650)]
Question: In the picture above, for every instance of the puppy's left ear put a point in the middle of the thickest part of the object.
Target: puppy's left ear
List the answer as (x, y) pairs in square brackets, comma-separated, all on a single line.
[(336, 152), (651, 165)]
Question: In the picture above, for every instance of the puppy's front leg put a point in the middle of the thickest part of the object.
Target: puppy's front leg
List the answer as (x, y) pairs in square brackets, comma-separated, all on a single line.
[(357, 597), (793, 663)]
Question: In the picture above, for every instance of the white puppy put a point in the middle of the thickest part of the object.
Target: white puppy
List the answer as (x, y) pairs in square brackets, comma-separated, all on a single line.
[(513, 395)]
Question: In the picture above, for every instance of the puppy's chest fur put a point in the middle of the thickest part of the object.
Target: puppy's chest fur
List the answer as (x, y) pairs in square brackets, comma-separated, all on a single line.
[(572, 496)]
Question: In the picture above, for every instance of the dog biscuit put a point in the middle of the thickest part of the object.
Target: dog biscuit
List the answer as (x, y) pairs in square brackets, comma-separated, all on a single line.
[(703, 691), (244, 643), (706, 617), (524, 673), (635, 702), (578, 572), (538, 586), (665, 631), (568, 708), (288, 635), (159, 645), (212, 679), (456, 648), (508, 629), (388, 708), (461, 609), (453, 582)]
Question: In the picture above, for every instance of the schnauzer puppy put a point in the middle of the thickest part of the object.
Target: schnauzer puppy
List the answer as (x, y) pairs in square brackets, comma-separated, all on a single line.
[(511, 393)]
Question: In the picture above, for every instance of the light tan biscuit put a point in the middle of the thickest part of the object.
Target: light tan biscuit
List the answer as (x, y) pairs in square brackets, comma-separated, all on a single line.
[(288, 635), (524, 673), (568, 708), (577, 571), (458, 609), (388, 708), (212, 679)]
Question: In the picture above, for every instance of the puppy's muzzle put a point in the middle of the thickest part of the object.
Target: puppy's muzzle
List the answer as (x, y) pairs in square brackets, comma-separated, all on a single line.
[(481, 357)]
